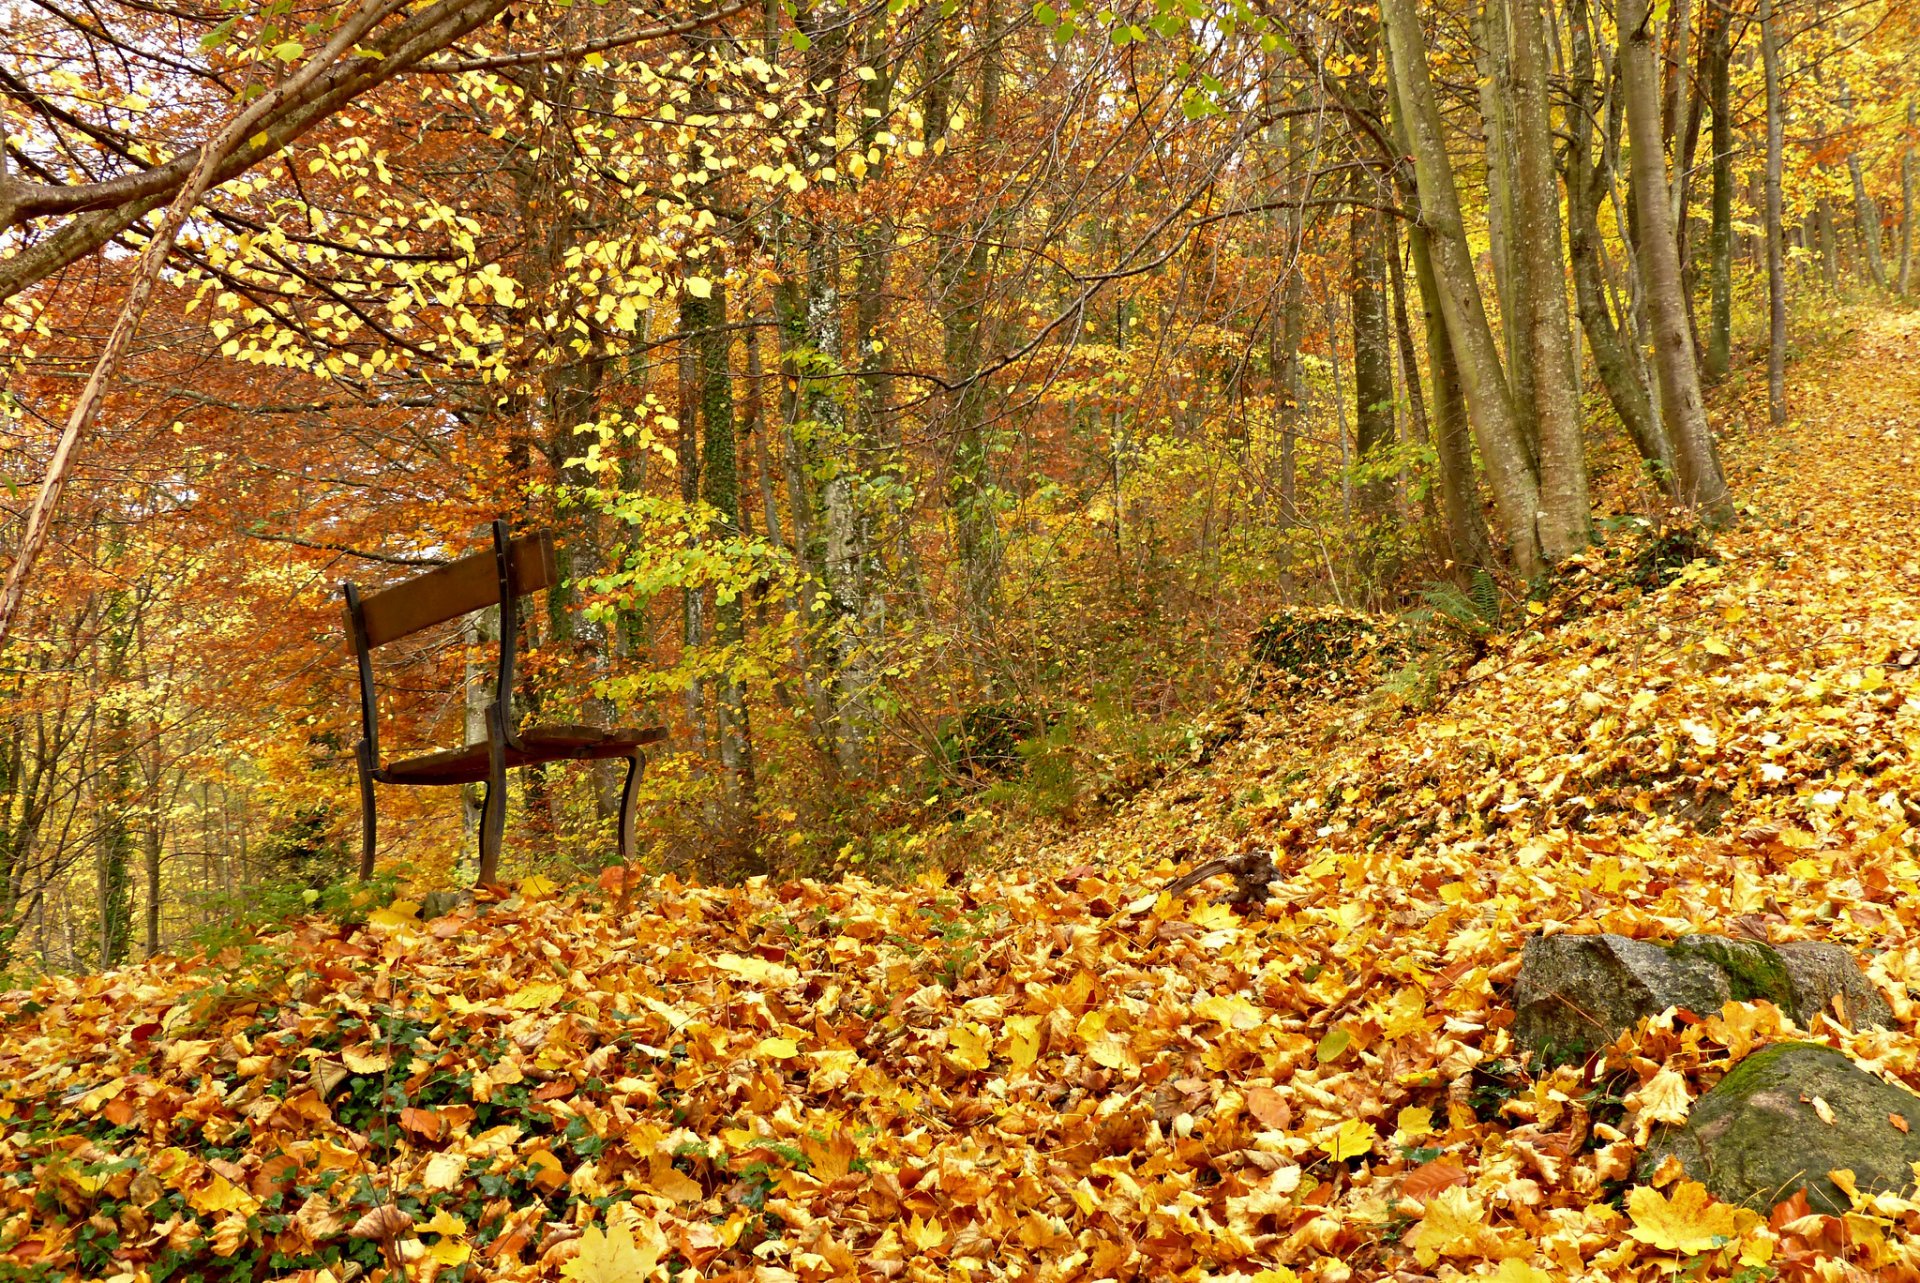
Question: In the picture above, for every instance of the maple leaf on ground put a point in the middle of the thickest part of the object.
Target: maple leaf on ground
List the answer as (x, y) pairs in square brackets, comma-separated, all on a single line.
[(1663, 1098), (612, 1257), (1687, 1223)]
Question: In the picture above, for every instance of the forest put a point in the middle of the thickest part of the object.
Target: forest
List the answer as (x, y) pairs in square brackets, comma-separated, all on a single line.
[(1267, 641), (928, 402)]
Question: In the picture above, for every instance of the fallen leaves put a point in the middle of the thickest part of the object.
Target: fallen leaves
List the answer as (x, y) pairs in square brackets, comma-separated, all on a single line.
[(1037, 1072)]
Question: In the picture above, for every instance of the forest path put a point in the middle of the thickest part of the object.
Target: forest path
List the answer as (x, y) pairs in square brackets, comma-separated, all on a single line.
[(1768, 697)]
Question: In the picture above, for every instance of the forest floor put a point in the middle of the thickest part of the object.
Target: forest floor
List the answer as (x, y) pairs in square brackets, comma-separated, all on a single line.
[(1054, 1070)]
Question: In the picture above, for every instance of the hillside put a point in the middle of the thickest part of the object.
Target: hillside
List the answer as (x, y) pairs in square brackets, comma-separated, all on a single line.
[(1052, 1071)]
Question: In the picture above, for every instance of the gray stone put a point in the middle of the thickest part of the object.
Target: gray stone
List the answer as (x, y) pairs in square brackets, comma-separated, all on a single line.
[(437, 904), (1758, 1137), (1820, 971), (1576, 994)]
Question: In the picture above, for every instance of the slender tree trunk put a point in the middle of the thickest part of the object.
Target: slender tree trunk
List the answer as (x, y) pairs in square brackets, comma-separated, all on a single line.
[(1829, 238), (1696, 465), (1494, 58), (1589, 180), (1502, 447), (1906, 207), (1566, 520), (1372, 360), (1866, 211), (1776, 224), (1720, 236)]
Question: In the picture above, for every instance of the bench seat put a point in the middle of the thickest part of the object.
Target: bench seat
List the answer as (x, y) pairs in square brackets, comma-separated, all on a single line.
[(537, 744)]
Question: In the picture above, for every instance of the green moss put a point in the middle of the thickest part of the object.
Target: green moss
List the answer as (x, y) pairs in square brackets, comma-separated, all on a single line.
[(1741, 1079), (1753, 970)]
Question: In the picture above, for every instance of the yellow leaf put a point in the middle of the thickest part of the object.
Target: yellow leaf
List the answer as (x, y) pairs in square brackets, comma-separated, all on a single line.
[(1454, 1225), (1416, 1121), (1714, 646), (1661, 1099), (699, 287), (758, 970), (776, 1049), (450, 1252), (1021, 1045), (611, 1257), (1231, 1010), (1515, 1270), (533, 996), (670, 1182), (1688, 1223), (401, 913), (362, 1059), (538, 887), (444, 1222), (222, 1196), (445, 1171), (1350, 1140), (969, 1048), (925, 1235)]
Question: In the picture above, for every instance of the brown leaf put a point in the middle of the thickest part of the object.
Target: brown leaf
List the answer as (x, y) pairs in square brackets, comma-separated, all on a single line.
[(424, 1123), (1270, 1107), (382, 1223), (1427, 1180), (1899, 1122)]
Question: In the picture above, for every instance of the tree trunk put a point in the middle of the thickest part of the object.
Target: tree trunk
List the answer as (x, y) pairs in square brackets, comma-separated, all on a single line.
[(1494, 59), (1696, 465), (1372, 362), (1566, 520), (1589, 180), (1906, 207), (1502, 447), (1776, 224), (1866, 211), (1720, 235)]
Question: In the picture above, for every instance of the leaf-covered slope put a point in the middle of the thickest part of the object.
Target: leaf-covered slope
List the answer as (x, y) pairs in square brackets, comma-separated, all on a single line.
[(1053, 1072)]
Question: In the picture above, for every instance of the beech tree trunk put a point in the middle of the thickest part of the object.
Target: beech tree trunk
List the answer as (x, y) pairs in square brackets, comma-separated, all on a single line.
[(1700, 485), (1906, 207), (1776, 224), (1866, 210), (1720, 233), (1566, 522), (1502, 448), (1372, 360), (1589, 180)]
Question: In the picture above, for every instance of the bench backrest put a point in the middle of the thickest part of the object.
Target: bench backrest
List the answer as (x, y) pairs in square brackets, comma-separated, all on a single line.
[(456, 589)]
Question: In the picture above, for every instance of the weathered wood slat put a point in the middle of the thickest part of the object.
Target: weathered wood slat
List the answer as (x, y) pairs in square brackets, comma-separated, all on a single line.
[(468, 584)]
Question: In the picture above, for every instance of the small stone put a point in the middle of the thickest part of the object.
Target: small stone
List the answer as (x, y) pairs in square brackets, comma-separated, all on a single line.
[(437, 904), (1577, 993), (1762, 1135), (1817, 972)]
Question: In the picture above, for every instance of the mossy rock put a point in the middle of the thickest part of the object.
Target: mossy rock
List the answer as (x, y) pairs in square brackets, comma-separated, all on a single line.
[(1758, 1138), (1326, 651), (1576, 994)]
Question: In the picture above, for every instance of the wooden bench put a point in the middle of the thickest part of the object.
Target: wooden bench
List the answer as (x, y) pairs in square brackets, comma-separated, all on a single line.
[(513, 569)]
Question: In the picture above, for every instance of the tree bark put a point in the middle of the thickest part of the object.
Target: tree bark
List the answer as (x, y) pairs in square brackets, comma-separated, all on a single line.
[(1589, 179), (1776, 223), (1700, 485), (1866, 211), (1502, 447), (1720, 233), (1566, 519), (1906, 207), (1372, 361)]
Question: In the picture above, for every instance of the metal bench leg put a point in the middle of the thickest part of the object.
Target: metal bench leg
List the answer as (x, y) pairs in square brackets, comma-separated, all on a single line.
[(369, 824), (493, 810), (629, 794)]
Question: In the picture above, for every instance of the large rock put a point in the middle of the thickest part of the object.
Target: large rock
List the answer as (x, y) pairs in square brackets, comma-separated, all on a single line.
[(1576, 994), (1759, 1136)]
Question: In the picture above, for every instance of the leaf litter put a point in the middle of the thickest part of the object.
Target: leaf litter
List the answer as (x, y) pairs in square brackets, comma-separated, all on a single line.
[(1052, 1068)]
